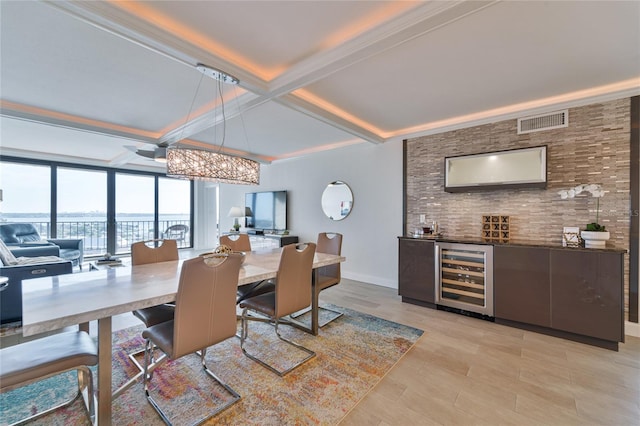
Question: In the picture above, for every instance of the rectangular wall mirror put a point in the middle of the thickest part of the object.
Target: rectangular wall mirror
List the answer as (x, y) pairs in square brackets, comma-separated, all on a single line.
[(516, 168)]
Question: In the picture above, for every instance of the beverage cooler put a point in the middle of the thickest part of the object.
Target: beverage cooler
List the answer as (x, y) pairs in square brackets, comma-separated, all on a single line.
[(464, 277)]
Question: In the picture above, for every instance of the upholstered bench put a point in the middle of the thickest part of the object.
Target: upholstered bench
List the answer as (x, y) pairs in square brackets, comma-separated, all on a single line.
[(39, 359)]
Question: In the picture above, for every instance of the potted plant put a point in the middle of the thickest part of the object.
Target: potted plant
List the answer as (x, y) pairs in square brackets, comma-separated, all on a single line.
[(595, 235)]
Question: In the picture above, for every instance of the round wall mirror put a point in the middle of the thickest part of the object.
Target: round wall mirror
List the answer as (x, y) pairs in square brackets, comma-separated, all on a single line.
[(337, 200)]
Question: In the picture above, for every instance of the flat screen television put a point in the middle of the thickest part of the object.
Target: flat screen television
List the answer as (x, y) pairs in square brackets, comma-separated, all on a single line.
[(268, 210)]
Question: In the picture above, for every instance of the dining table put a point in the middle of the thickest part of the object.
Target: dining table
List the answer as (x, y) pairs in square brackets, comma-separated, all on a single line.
[(52, 303)]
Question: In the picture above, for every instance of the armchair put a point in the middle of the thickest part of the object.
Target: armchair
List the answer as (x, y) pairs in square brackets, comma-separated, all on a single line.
[(23, 239), (176, 232)]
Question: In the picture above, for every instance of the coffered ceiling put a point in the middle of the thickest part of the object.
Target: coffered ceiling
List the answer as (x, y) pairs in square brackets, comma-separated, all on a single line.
[(82, 81)]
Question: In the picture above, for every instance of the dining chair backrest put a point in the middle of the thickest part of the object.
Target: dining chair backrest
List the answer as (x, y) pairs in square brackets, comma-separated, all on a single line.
[(293, 279), (142, 253), (205, 311), (330, 243), (236, 242)]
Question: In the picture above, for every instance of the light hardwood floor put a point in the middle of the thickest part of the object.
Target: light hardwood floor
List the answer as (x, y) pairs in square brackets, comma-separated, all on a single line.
[(466, 371)]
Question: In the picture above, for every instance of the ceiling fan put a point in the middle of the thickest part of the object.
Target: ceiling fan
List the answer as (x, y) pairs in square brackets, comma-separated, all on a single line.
[(158, 153)]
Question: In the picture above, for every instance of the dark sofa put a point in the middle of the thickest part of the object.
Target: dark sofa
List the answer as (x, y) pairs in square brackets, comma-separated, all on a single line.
[(11, 293), (24, 255), (23, 239)]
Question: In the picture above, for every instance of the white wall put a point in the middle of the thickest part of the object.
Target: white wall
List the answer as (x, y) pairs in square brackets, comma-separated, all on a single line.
[(374, 173)]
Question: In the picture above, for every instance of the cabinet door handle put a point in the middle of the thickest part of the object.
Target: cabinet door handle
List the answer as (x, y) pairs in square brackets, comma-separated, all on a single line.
[(436, 268), (38, 271)]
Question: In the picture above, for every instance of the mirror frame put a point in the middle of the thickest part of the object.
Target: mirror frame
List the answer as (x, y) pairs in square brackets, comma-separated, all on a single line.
[(505, 179), (344, 213)]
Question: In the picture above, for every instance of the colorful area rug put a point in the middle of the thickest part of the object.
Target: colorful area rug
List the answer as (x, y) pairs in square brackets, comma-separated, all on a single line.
[(353, 354)]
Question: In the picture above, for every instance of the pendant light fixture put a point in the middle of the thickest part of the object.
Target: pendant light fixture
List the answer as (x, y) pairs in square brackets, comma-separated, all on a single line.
[(200, 164)]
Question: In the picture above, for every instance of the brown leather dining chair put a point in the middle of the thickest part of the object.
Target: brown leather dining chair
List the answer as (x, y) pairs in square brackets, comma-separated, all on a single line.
[(241, 242), (236, 242), (142, 253), (205, 314), (326, 276), (292, 293), (45, 357)]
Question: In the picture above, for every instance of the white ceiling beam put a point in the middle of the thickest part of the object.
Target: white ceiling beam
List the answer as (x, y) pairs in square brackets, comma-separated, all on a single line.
[(118, 22), (416, 22), (325, 116), (212, 118), (71, 123), (410, 25)]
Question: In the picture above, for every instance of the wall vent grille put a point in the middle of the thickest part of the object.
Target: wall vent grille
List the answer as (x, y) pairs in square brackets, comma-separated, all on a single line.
[(542, 122)]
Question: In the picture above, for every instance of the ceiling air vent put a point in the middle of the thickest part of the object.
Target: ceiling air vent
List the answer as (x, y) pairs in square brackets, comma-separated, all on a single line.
[(537, 123)]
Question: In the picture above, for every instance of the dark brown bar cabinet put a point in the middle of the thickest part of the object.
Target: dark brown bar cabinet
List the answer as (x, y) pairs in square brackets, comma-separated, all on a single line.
[(572, 293), (521, 284), (416, 271), (575, 294), (587, 294)]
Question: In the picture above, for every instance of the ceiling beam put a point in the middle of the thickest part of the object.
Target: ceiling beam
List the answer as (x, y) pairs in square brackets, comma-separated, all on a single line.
[(414, 23), (54, 118)]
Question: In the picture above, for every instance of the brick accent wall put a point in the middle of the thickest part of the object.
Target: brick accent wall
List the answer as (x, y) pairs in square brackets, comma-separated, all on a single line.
[(594, 148)]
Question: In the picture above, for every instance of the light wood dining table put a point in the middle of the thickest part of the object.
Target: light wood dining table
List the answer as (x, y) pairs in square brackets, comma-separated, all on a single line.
[(52, 303)]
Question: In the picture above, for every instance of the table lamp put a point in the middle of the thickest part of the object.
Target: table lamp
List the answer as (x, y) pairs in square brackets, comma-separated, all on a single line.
[(236, 212)]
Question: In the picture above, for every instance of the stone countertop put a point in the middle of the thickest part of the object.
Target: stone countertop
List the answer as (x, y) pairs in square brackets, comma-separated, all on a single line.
[(516, 243)]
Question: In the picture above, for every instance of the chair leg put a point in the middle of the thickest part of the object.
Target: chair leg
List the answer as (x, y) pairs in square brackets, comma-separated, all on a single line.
[(147, 378), (276, 323), (85, 392), (304, 311), (132, 358)]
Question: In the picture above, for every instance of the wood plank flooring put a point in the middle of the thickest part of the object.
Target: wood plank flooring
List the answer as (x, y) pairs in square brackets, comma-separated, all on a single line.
[(466, 371)]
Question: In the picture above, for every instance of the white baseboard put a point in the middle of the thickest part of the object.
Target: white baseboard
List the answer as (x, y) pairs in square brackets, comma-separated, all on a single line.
[(632, 329), (370, 279)]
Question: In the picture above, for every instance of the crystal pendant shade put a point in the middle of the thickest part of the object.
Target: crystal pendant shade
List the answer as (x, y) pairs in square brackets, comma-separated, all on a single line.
[(186, 163)]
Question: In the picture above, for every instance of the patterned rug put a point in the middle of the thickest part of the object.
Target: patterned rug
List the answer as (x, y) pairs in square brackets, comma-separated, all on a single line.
[(353, 354)]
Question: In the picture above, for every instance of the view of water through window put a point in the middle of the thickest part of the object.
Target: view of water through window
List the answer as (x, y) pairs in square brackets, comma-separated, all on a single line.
[(82, 205)]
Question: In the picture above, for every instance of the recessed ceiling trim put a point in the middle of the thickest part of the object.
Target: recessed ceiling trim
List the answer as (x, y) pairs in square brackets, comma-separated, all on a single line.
[(54, 118), (115, 20), (47, 156), (406, 27), (621, 90), (204, 121), (298, 104)]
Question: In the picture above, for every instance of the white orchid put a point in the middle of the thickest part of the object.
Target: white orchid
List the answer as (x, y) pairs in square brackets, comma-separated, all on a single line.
[(596, 192)]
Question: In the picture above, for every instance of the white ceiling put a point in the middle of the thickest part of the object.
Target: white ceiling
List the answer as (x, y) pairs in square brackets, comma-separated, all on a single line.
[(82, 80)]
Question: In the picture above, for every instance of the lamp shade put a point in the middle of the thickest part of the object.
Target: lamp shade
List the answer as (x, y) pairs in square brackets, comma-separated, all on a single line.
[(187, 163), (236, 212)]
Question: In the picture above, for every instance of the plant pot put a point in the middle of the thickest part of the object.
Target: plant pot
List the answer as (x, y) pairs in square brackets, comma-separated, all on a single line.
[(595, 239)]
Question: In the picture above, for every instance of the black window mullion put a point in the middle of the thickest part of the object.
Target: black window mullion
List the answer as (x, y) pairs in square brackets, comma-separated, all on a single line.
[(156, 209), (111, 212), (53, 209)]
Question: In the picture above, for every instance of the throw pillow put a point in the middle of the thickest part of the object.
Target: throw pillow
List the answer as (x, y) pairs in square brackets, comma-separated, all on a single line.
[(6, 255), (22, 260)]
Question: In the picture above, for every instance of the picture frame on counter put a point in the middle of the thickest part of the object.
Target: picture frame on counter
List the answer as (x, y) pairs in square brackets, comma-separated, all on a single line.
[(571, 236)]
